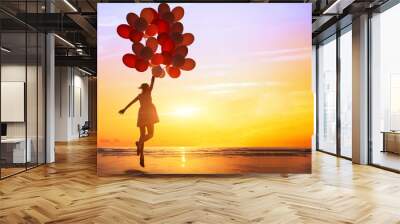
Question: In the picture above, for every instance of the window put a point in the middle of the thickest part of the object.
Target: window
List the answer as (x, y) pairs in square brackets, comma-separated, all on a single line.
[(385, 89), (327, 95), (346, 93)]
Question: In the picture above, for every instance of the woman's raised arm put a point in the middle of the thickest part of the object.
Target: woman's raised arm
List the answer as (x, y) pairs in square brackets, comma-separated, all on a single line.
[(152, 82)]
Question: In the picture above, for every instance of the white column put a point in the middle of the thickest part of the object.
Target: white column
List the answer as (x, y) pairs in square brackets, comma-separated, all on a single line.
[(360, 90), (50, 92)]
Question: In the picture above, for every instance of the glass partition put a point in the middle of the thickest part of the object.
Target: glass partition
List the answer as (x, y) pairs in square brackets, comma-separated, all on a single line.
[(22, 90), (13, 103)]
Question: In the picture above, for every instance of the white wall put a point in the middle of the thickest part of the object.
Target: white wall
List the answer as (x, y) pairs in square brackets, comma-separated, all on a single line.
[(16, 73), (33, 127), (71, 102)]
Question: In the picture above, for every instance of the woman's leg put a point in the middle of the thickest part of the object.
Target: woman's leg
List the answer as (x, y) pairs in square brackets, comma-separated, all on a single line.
[(150, 132), (141, 139), (141, 144)]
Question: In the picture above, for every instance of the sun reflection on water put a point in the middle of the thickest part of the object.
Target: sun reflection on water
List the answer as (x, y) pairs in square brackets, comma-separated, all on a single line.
[(183, 156)]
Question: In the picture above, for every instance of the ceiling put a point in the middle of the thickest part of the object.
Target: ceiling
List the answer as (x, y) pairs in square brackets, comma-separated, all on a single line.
[(75, 22)]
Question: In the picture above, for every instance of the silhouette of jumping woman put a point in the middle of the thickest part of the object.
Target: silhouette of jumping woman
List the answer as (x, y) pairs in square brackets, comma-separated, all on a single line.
[(147, 117)]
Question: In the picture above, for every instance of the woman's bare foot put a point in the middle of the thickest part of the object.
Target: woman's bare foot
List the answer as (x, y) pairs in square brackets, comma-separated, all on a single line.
[(142, 160)]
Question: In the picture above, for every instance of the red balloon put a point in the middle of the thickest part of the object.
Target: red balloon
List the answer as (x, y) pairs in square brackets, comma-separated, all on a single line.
[(162, 38), (163, 8), (162, 74), (157, 71), (188, 39), (177, 27), (131, 18), (151, 30), (178, 61), (181, 50), (129, 60), (140, 24), (124, 31), (137, 48), (157, 59), (168, 46), (146, 53), (167, 58), (148, 14), (173, 72), (141, 65), (136, 36), (163, 26), (177, 38), (152, 43), (178, 13), (189, 64), (168, 16)]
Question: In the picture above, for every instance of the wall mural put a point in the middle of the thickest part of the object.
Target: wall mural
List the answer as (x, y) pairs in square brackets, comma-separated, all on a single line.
[(204, 88)]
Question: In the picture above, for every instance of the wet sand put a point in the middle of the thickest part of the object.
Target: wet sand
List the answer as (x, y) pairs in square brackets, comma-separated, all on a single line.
[(203, 161)]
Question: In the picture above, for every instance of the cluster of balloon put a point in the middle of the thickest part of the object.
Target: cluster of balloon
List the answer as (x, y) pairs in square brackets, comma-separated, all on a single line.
[(158, 41)]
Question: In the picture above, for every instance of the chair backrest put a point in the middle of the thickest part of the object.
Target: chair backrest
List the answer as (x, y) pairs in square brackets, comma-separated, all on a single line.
[(86, 124)]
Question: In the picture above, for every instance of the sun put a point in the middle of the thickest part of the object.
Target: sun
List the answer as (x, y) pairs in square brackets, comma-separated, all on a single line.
[(185, 111)]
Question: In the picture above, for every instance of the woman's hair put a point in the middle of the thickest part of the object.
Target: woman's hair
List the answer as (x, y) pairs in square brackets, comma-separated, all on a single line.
[(144, 87)]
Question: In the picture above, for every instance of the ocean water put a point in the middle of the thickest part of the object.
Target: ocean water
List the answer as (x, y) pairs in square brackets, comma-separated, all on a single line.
[(210, 150), (200, 160)]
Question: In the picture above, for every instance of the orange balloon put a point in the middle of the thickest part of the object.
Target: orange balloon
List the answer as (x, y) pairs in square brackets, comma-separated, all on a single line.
[(147, 14), (151, 30), (157, 59), (189, 64), (163, 8), (173, 72), (177, 27), (152, 43), (141, 24), (178, 13), (131, 18), (137, 48), (157, 71), (188, 39)]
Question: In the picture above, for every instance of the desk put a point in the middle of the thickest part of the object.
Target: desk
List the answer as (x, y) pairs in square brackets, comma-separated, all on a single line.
[(13, 150), (391, 142)]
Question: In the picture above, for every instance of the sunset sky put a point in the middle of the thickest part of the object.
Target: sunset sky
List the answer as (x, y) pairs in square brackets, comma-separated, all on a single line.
[(251, 86)]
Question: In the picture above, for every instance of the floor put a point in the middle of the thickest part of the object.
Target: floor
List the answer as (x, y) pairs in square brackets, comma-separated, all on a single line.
[(69, 191), (387, 159)]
